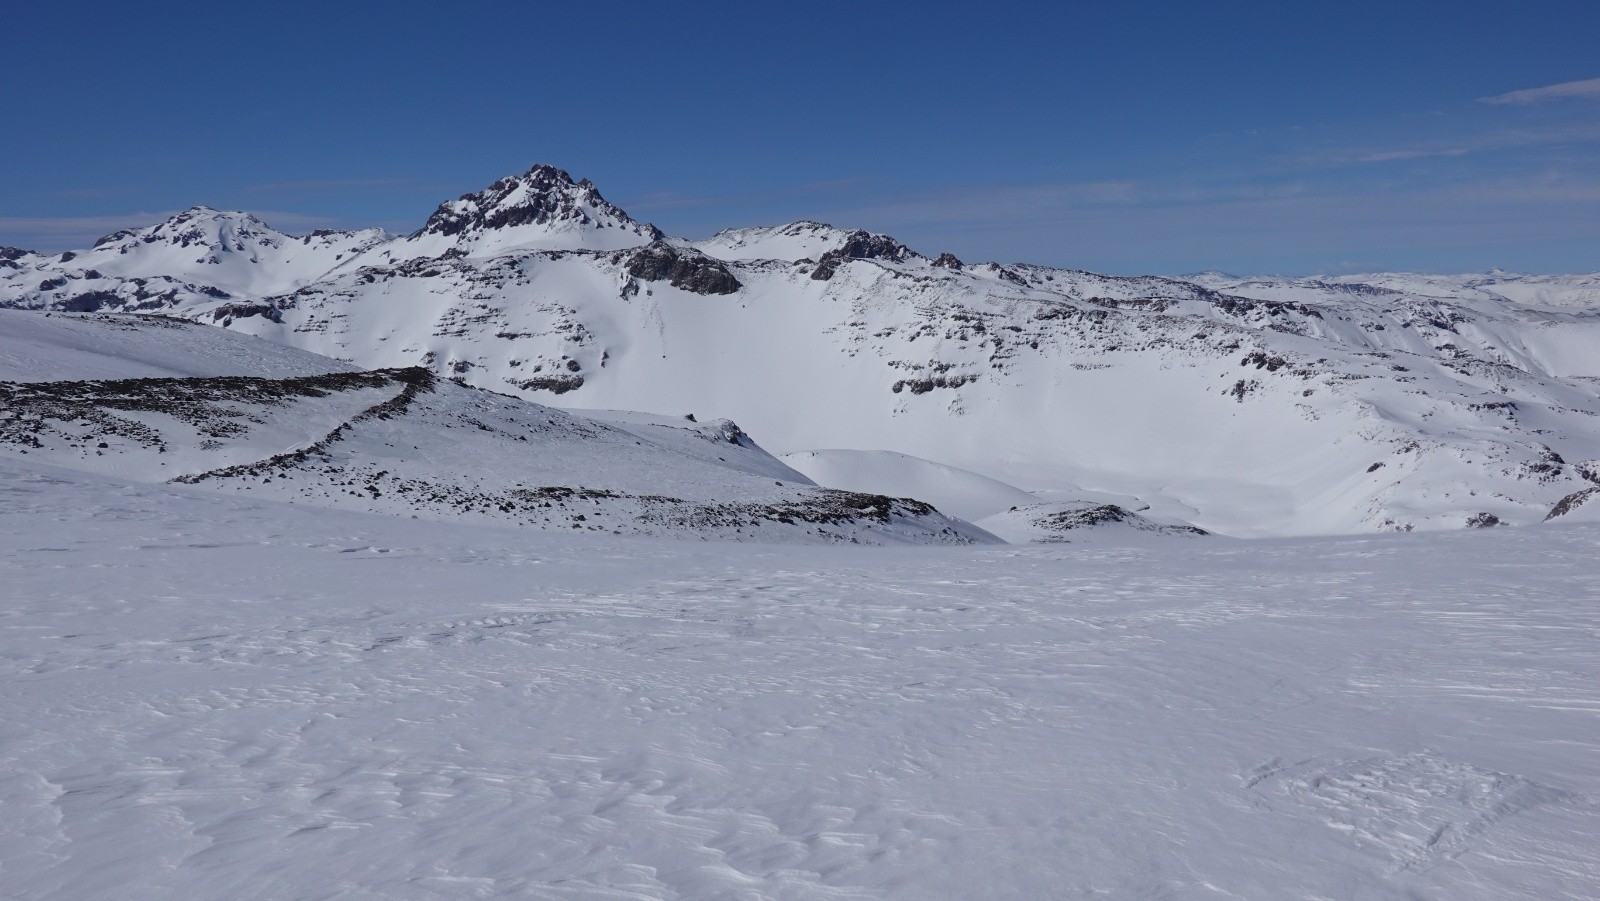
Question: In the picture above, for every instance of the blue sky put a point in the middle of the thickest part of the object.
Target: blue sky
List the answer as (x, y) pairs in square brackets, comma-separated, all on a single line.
[(1122, 137)]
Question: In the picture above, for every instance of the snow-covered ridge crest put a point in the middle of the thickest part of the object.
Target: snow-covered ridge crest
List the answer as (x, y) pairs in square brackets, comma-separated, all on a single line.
[(802, 240), (197, 256)]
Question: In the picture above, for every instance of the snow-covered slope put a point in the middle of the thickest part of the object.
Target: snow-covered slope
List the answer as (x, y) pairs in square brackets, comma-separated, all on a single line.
[(1243, 406), (404, 442), (48, 347), (957, 492)]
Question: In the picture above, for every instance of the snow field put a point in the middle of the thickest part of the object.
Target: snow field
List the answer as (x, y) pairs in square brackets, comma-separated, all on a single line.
[(212, 696)]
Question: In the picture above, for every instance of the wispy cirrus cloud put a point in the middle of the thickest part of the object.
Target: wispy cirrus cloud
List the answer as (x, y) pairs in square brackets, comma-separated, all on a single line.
[(50, 233), (341, 184), (1390, 156), (1463, 144), (671, 200), (1247, 227), (1586, 89)]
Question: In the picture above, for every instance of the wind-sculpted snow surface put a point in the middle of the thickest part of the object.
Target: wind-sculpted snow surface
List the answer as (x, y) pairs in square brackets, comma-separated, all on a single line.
[(206, 695), (1246, 406)]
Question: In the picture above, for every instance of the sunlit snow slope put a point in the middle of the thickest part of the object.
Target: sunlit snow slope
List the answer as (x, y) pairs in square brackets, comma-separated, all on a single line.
[(400, 441), (1244, 406)]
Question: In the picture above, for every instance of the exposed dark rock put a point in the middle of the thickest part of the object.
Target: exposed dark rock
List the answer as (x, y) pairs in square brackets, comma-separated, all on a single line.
[(559, 383), (116, 236), (1356, 289), (1007, 275), (1151, 304), (89, 302), (682, 267), (215, 407), (1247, 307), (1261, 360), (861, 245), (924, 385), (542, 195), (1572, 502), (228, 312), (1107, 514), (948, 261)]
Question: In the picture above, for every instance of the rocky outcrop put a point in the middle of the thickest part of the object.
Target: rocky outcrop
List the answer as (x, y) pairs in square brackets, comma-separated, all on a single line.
[(861, 245), (682, 267), (228, 312)]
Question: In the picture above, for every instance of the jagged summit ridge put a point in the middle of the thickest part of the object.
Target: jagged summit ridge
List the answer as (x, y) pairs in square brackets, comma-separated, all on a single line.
[(541, 207)]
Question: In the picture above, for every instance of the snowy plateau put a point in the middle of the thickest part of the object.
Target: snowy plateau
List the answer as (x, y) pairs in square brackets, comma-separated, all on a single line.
[(541, 554)]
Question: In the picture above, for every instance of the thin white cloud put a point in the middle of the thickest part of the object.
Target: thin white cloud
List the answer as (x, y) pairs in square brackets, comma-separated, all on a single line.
[(1501, 139), (1388, 156), (1587, 89), (341, 184), (670, 200), (1246, 227), (51, 233)]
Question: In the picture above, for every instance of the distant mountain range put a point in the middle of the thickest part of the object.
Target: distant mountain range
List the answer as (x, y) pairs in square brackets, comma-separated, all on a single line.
[(1243, 406)]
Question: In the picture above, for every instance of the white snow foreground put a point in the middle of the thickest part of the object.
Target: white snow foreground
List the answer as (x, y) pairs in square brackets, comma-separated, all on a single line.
[(206, 695), (1245, 406), (403, 441)]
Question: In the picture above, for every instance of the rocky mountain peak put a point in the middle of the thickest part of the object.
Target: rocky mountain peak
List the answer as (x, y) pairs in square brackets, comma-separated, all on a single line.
[(543, 196)]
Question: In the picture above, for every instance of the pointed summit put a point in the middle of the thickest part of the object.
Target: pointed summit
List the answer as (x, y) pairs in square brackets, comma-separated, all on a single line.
[(542, 208)]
